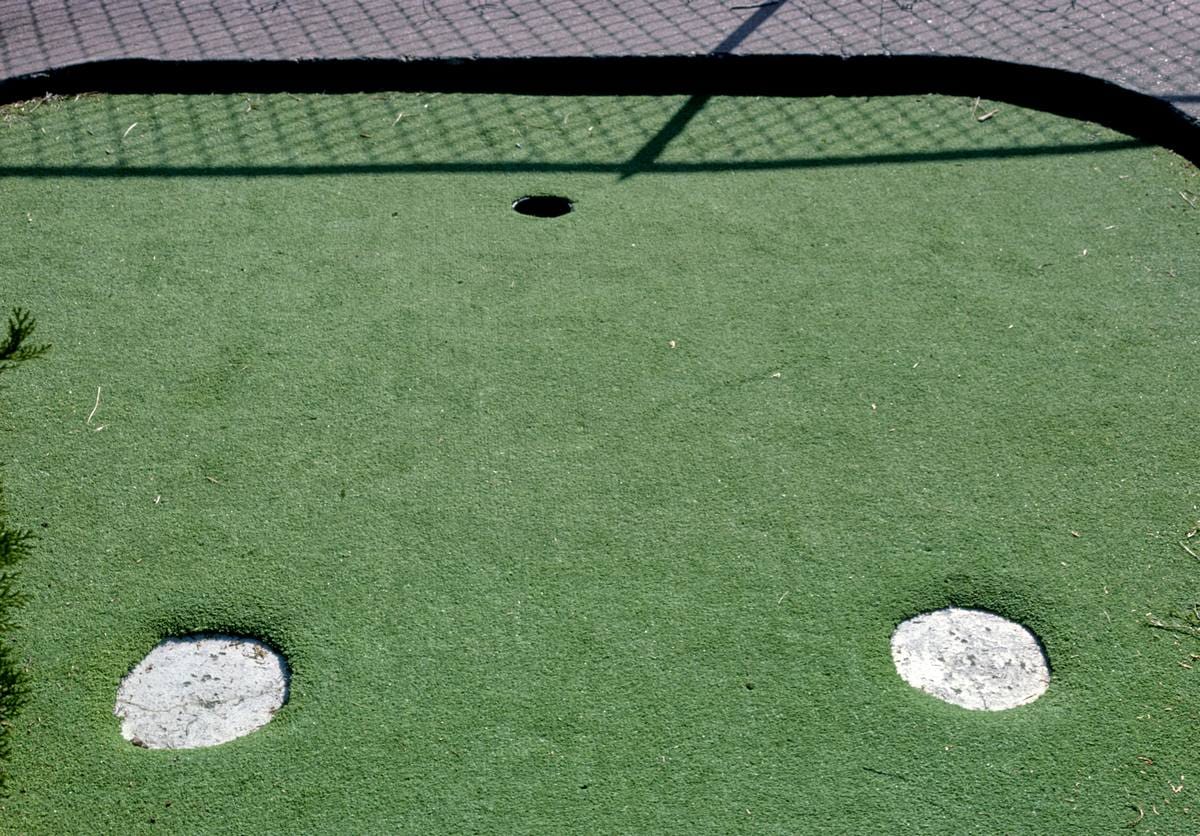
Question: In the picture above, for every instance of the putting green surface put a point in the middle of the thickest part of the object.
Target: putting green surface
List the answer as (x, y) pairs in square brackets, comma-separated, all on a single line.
[(603, 522)]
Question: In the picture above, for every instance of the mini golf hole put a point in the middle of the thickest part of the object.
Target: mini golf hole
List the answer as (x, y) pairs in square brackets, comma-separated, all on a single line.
[(543, 205), (201, 690), (971, 658)]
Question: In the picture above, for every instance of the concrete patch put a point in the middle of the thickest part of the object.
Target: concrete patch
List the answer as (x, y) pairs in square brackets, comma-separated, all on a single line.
[(971, 658), (201, 690)]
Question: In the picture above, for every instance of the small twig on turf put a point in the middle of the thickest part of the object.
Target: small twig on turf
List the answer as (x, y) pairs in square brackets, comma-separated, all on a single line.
[(982, 117), (1189, 551), (1182, 629), (92, 414), (1141, 815)]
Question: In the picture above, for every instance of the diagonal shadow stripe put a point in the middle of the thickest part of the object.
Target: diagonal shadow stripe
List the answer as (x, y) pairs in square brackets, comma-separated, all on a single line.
[(735, 38), (649, 153), (646, 156)]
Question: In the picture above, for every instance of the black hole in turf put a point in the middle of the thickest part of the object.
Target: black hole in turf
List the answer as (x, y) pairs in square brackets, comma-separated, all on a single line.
[(542, 205)]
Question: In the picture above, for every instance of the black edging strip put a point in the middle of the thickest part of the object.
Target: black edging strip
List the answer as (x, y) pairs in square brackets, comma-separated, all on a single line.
[(1061, 92)]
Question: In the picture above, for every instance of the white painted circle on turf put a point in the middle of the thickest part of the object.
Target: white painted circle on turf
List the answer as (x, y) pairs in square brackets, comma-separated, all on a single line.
[(201, 690), (971, 658)]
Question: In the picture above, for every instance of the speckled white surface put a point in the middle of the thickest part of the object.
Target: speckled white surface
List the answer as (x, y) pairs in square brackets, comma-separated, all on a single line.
[(971, 658), (201, 690)]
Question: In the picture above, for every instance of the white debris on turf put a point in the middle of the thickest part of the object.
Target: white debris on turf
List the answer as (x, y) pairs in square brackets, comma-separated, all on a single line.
[(201, 690), (971, 658)]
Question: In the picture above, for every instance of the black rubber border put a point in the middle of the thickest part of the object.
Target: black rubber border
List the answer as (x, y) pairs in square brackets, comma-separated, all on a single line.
[(1055, 91)]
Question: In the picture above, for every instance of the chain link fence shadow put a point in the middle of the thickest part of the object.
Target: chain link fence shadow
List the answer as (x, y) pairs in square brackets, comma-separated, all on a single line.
[(1148, 47), (1126, 63), (290, 135)]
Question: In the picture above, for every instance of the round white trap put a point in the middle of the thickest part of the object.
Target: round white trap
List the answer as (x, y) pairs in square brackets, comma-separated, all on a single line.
[(201, 690), (971, 658)]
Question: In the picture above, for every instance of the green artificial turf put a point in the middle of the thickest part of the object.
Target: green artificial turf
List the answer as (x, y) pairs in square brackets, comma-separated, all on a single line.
[(603, 523)]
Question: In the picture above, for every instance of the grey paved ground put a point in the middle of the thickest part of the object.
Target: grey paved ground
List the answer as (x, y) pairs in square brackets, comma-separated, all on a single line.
[(1149, 47)]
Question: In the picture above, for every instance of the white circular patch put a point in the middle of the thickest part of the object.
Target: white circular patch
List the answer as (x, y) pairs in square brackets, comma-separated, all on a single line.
[(201, 690), (971, 658)]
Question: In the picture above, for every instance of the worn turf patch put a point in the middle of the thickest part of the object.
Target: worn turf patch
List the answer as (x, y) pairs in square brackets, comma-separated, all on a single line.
[(604, 521)]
